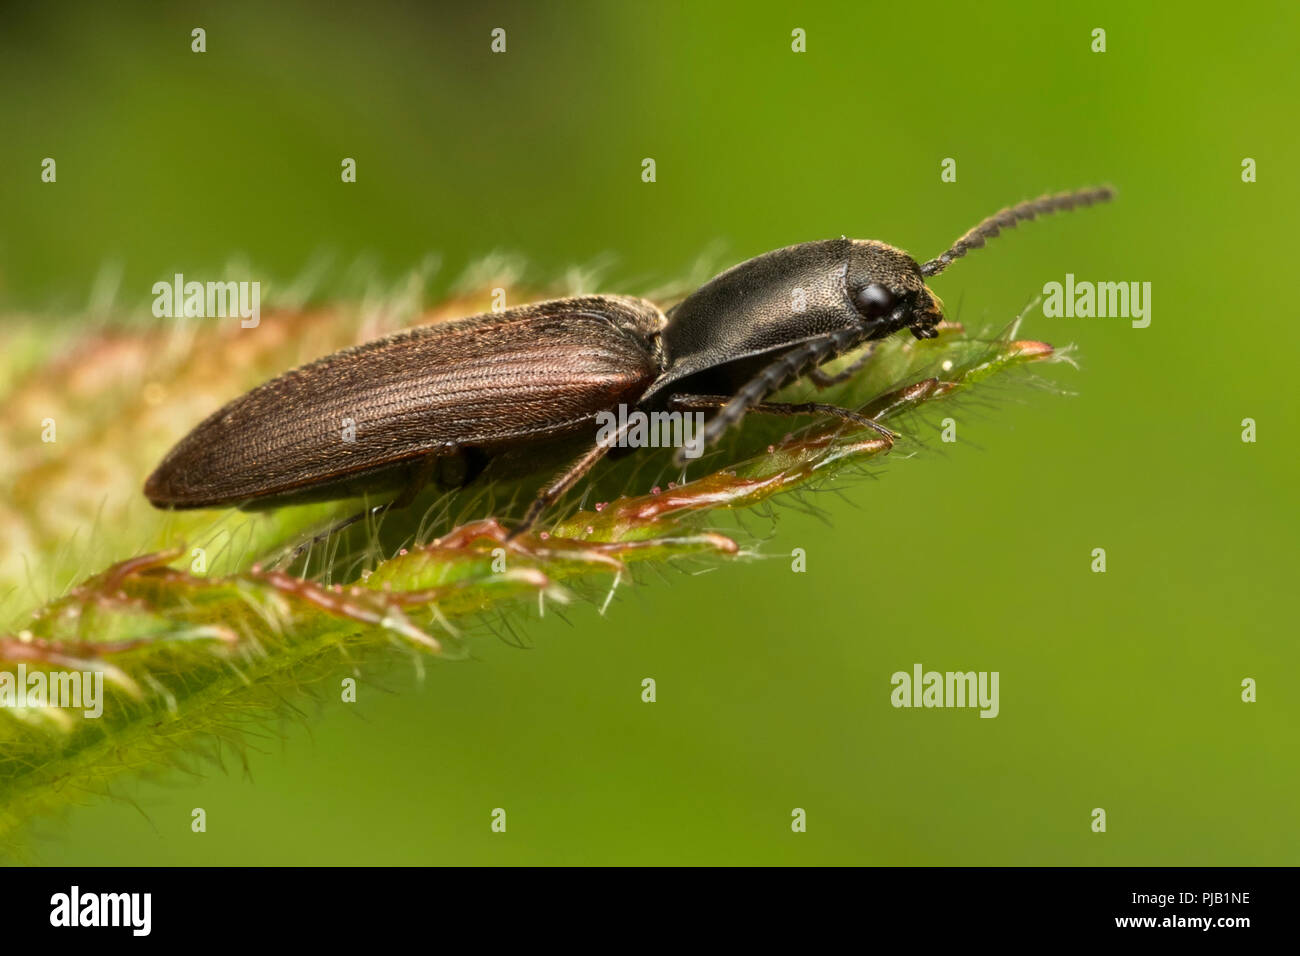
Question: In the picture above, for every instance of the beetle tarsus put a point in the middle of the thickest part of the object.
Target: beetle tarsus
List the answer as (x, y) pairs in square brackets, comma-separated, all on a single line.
[(346, 523)]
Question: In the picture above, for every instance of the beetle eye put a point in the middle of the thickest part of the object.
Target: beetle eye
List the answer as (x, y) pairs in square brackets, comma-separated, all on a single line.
[(874, 301)]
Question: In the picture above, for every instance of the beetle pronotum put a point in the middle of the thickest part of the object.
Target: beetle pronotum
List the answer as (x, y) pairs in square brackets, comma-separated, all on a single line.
[(436, 399)]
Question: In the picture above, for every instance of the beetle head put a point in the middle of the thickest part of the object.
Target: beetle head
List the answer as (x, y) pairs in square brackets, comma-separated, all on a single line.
[(888, 286), (889, 292)]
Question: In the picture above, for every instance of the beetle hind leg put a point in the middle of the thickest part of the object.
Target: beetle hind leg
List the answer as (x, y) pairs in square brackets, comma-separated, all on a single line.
[(334, 529), (426, 468)]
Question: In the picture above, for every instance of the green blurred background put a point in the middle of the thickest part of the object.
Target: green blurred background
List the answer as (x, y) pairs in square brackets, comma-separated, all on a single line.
[(1118, 690)]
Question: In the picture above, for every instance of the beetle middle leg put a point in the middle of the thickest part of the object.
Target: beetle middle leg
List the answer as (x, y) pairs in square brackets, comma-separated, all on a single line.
[(567, 479)]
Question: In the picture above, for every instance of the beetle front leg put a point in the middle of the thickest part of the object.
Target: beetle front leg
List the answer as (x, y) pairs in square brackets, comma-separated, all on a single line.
[(784, 369), (699, 402), (822, 380)]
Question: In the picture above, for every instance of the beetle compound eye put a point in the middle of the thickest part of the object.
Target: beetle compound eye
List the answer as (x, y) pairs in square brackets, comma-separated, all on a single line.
[(874, 301)]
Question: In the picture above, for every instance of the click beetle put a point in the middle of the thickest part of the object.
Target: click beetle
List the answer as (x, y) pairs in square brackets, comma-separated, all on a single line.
[(430, 402)]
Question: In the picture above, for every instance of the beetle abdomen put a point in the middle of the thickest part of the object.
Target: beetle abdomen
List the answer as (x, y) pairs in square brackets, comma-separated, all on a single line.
[(526, 374)]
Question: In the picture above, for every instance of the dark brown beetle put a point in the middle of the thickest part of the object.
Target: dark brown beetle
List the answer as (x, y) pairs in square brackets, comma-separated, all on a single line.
[(423, 401)]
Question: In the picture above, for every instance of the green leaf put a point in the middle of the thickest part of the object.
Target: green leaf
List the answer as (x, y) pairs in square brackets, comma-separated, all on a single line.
[(194, 649)]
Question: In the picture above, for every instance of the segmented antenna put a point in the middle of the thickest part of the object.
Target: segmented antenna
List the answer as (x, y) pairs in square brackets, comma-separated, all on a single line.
[(1010, 217)]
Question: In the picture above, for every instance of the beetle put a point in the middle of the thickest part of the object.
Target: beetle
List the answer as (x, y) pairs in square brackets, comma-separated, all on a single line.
[(435, 402)]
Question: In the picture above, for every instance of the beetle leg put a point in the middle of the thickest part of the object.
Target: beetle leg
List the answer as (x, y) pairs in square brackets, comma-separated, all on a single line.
[(419, 478), (552, 492), (333, 530), (785, 369), (423, 472), (570, 477), (693, 402), (822, 380)]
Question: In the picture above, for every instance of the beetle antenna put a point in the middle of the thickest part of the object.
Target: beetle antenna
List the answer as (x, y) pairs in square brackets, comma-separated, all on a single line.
[(1010, 217)]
